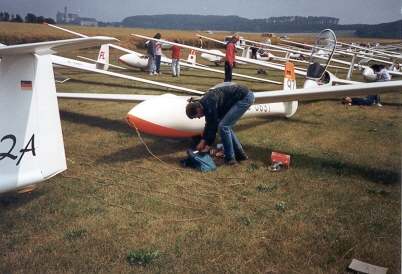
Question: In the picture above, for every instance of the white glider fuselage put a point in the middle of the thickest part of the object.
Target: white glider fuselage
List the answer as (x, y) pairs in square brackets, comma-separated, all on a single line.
[(212, 57), (176, 124), (134, 60), (165, 115)]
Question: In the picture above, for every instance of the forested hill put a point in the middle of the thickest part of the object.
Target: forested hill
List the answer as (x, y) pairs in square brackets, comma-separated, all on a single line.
[(385, 30), (287, 24)]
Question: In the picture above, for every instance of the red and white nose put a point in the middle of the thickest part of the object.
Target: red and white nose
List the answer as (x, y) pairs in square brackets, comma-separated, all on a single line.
[(165, 116)]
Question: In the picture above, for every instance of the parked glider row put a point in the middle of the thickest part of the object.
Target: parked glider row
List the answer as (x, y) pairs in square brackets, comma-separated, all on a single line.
[(31, 139)]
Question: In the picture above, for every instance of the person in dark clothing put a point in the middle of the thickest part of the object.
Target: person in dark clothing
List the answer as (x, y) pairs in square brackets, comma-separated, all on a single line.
[(230, 58), (222, 106), (366, 101), (254, 50)]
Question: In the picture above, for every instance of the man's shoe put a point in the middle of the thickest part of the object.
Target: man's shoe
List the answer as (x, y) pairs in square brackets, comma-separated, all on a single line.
[(231, 162), (241, 157)]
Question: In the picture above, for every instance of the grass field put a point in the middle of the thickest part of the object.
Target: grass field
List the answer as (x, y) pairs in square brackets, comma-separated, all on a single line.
[(117, 209)]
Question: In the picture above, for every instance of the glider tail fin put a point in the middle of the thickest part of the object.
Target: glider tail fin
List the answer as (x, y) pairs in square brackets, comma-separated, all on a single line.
[(246, 52), (31, 140), (192, 57), (289, 83), (103, 58)]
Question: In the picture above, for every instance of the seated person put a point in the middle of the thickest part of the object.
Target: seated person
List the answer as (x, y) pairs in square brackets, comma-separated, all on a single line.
[(366, 101), (373, 73)]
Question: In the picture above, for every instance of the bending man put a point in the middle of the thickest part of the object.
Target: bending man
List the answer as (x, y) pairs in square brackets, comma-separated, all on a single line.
[(222, 106)]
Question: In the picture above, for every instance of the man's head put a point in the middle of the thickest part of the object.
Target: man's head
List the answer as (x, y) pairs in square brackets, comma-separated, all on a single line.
[(158, 36), (194, 110)]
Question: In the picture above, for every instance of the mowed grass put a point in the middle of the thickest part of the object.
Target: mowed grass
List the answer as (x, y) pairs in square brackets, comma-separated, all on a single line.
[(117, 209)]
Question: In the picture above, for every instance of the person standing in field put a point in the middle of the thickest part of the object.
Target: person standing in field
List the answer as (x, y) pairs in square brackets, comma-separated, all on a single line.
[(382, 75), (230, 58), (151, 54), (254, 50), (175, 59), (200, 42), (158, 55)]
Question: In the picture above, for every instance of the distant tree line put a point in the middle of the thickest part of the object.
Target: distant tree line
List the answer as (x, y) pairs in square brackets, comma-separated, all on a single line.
[(231, 23), (309, 20), (284, 24), (29, 18), (385, 30)]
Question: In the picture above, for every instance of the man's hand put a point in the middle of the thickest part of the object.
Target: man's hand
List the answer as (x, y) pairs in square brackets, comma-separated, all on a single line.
[(202, 145), (206, 149)]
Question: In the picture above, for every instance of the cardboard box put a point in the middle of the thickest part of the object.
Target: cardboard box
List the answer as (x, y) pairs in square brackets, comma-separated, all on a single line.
[(280, 157)]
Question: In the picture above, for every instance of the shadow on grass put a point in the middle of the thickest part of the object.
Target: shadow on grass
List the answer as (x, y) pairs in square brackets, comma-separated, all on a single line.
[(261, 121), (212, 76), (391, 104), (117, 85), (297, 121), (330, 165), (221, 77), (95, 121), (158, 146), (165, 147), (248, 124), (14, 200)]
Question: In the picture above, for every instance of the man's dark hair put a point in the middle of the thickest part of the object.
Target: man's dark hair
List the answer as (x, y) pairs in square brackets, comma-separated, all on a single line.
[(377, 67), (192, 109), (158, 36)]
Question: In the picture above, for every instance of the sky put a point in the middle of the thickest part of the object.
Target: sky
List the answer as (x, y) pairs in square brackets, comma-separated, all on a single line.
[(348, 11)]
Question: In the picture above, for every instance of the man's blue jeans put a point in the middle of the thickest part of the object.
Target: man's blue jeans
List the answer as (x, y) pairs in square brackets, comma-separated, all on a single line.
[(231, 144), (175, 67), (158, 63), (366, 101), (151, 64)]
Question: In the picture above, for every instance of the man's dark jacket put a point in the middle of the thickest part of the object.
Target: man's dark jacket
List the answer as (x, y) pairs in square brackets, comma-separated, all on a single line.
[(151, 48), (216, 103)]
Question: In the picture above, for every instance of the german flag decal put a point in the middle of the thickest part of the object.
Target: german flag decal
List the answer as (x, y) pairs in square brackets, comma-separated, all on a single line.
[(26, 85)]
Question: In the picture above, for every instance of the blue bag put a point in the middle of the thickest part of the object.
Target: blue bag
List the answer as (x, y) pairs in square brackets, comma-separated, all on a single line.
[(201, 161)]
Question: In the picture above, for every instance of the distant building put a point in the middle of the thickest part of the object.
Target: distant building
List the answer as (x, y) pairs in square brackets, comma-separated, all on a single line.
[(61, 17), (75, 19), (89, 22), (71, 17)]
